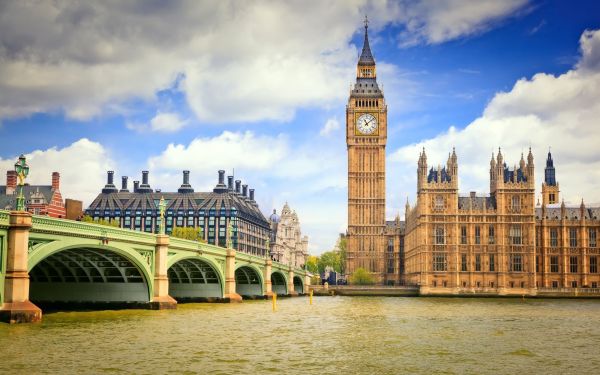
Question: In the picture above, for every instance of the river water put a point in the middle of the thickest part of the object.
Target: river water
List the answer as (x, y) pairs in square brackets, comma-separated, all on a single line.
[(341, 335)]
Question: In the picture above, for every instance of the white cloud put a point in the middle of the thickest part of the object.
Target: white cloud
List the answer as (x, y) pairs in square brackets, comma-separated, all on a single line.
[(330, 126), (545, 111), (240, 61), (82, 167), (162, 122)]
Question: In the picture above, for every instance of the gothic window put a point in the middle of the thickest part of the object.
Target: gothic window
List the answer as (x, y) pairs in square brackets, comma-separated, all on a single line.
[(573, 237), (439, 262), (477, 235), (439, 203), (554, 264), (463, 261), (515, 235), (391, 245), (516, 263), (463, 235), (552, 199), (553, 237), (492, 263), (516, 203), (491, 235), (594, 264), (592, 237), (477, 262), (439, 236), (537, 264), (573, 261)]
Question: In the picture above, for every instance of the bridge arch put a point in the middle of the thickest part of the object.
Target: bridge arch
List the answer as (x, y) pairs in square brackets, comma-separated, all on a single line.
[(279, 283), (298, 285), (194, 278), (248, 281), (88, 273)]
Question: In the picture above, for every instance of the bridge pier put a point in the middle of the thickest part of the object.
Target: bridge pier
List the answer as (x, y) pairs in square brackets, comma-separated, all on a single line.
[(16, 307), (267, 277), (290, 287), (230, 292), (161, 300)]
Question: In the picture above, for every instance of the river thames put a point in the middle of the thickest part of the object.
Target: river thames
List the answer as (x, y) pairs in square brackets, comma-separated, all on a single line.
[(353, 335)]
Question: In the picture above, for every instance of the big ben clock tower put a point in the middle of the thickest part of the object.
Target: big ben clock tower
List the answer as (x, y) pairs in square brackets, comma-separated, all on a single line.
[(366, 135)]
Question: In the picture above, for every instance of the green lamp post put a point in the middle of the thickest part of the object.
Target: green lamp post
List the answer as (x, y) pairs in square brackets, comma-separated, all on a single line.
[(22, 170)]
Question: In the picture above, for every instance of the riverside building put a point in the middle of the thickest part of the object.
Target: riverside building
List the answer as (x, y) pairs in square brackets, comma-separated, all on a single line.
[(39, 199), (228, 207), (287, 244), (501, 243)]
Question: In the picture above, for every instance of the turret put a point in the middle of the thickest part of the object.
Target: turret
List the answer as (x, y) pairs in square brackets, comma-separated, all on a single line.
[(550, 187)]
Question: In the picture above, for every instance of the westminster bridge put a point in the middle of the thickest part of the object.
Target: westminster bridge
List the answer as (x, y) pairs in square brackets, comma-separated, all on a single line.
[(54, 261)]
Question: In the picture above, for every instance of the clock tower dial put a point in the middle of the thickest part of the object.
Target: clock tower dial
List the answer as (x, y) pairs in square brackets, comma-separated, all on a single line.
[(366, 136)]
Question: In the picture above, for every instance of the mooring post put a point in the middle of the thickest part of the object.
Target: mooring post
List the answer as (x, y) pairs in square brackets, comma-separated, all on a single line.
[(161, 299), (267, 277), (16, 307), (230, 291)]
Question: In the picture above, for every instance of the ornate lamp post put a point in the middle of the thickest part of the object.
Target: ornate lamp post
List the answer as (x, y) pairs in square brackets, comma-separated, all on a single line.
[(22, 170)]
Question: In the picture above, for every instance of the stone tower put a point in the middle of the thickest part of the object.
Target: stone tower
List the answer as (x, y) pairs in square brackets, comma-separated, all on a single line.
[(366, 135), (550, 188)]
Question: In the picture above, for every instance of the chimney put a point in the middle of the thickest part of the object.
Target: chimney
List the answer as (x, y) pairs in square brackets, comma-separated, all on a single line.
[(55, 181), (136, 186), (11, 182), (124, 184), (245, 190), (473, 194), (230, 183), (185, 186), (144, 177), (110, 186), (221, 188), (252, 195), (238, 184)]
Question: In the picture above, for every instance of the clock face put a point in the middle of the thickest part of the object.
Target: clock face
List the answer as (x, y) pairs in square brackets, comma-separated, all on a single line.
[(366, 124)]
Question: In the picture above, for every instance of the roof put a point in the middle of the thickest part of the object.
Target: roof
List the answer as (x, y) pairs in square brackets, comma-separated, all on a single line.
[(571, 213), (476, 203), (246, 209), (393, 224), (9, 201), (366, 57)]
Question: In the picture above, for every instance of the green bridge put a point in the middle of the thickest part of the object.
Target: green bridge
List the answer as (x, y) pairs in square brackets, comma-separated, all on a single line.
[(46, 261)]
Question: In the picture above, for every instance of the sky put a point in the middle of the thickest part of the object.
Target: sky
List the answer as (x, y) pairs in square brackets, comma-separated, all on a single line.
[(260, 87)]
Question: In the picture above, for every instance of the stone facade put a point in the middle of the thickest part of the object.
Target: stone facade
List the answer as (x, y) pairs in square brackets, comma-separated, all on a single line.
[(501, 243), (288, 245)]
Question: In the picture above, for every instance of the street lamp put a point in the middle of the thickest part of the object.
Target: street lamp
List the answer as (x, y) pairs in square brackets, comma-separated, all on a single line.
[(22, 170)]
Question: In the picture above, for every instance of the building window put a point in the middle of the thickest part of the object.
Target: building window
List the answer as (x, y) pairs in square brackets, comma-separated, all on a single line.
[(491, 235), (515, 235), (537, 263), (390, 266), (463, 262), (127, 222), (592, 237), (573, 263), (554, 263), (463, 235), (573, 237), (390, 245), (477, 262), (594, 284), (148, 224), (439, 203), (516, 263), (594, 264), (516, 204), (439, 236), (555, 284), (553, 237), (190, 221), (137, 223), (439, 262), (477, 235), (179, 221), (492, 264), (573, 284)]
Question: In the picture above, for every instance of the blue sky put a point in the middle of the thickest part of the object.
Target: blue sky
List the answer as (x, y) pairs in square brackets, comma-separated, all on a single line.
[(262, 88)]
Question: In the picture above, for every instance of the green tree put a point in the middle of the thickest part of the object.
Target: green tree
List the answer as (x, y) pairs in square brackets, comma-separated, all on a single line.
[(361, 277), (108, 223), (330, 258), (343, 246), (312, 264), (188, 233)]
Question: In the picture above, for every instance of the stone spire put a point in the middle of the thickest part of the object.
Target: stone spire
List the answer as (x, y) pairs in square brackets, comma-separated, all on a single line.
[(366, 57)]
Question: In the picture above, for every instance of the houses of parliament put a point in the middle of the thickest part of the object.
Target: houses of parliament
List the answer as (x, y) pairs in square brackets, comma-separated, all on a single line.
[(506, 242)]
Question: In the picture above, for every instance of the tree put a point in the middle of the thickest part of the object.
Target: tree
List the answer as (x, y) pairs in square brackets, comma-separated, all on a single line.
[(312, 264), (343, 245), (361, 277), (188, 233), (108, 223), (330, 258)]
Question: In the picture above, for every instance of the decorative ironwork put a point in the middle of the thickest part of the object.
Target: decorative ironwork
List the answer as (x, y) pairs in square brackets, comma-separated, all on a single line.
[(22, 170)]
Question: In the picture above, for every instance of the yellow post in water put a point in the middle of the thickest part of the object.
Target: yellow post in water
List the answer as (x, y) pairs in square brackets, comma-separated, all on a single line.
[(274, 302), (310, 294)]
